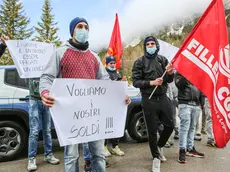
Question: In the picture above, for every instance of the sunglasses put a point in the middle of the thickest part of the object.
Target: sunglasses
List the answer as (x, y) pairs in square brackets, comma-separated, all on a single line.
[(152, 43), (81, 26)]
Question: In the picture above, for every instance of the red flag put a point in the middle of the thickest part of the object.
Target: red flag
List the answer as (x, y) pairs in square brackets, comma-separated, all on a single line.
[(115, 45), (204, 60)]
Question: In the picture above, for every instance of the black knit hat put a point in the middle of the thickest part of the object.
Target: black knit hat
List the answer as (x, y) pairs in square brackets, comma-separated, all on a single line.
[(110, 59)]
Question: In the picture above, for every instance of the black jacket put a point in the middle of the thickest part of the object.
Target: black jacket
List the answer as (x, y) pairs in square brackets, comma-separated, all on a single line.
[(114, 75), (2, 49), (148, 68), (187, 92)]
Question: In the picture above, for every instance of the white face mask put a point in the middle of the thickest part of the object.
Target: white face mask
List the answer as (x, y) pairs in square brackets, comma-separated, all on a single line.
[(151, 50), (82, 35), (112, 69)]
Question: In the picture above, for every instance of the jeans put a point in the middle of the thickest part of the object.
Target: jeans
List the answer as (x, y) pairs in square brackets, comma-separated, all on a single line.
[(176, 128), (96, 148), (188, 119), (209, 128), (37, 113), (86, 152), (199, 124), (204, 119), (157, 111)]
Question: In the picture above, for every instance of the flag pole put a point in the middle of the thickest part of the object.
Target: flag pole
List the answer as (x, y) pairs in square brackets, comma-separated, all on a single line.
[(122, 67), (157, 85)]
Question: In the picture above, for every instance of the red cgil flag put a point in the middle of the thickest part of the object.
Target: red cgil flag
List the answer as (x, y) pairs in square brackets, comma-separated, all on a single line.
[(204, 60), (115, 45)]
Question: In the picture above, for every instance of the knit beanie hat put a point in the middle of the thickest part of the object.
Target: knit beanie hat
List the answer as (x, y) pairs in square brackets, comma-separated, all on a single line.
[(110, 59), (150, 38), (74, 23)]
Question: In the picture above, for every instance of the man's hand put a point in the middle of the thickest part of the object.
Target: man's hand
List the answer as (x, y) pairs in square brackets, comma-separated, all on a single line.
[(4, 38), (170, 69), (48, 100), (127, 100), (124, 78), (156, 82)]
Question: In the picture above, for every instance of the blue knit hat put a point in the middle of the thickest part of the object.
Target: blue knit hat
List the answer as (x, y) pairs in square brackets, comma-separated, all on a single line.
[(110, 59), (74, 23), (150, 39)]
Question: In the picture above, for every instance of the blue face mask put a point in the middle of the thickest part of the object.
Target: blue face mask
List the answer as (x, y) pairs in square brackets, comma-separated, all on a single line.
[(111, 69), (82, 35), (151, 50)]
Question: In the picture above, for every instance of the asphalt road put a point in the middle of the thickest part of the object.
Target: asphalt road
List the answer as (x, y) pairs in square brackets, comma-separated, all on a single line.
[(138, 159)]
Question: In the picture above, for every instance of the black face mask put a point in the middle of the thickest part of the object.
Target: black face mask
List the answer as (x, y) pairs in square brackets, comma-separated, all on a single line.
[(80, 46)]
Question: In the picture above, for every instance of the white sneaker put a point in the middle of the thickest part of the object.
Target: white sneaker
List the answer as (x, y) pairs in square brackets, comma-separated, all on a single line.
[(161, 157), (32, 166), (106, 151), (156, 165), (117, 151), (51, 159)]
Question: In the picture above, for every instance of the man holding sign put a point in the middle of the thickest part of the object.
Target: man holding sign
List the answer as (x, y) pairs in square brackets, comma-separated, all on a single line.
[(4, 38), (75, 60)]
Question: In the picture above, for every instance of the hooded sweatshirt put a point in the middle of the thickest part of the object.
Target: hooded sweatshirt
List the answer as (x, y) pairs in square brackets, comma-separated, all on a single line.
[(70, 62), (148, 68)]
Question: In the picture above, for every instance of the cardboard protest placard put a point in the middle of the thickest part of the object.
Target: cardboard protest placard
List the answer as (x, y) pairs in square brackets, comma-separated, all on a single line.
[(88, 110), (30, 57)]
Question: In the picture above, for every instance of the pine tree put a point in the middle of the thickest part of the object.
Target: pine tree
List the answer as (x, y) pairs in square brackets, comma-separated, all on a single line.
[(13, 20), (14, 23), (47, 28)]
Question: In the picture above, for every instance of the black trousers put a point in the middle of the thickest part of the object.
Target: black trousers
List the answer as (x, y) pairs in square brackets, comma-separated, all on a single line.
[(114, 142), (158, 110)]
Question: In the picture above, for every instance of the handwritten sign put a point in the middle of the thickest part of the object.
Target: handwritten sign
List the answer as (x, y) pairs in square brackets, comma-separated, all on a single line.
[(167, 50), (30, 57), (88, 110)]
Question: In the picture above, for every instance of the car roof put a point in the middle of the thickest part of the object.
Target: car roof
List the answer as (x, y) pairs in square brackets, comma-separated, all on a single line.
[(7, 67)]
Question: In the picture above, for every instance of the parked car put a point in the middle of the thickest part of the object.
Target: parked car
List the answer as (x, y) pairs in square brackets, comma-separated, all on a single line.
[(14, 113), (135, 122)]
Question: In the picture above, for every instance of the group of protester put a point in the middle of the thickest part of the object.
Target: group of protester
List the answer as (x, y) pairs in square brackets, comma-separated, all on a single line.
[(159, 109)]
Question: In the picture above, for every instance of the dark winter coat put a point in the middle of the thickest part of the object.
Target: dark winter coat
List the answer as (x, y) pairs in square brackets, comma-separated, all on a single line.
[(114, 75), (2, 49), (148, 68), (187, 92)]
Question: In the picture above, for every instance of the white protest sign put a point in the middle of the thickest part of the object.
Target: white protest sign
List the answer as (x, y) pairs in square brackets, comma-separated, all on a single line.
[(167, 50), (88, 110), (30, 57)]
